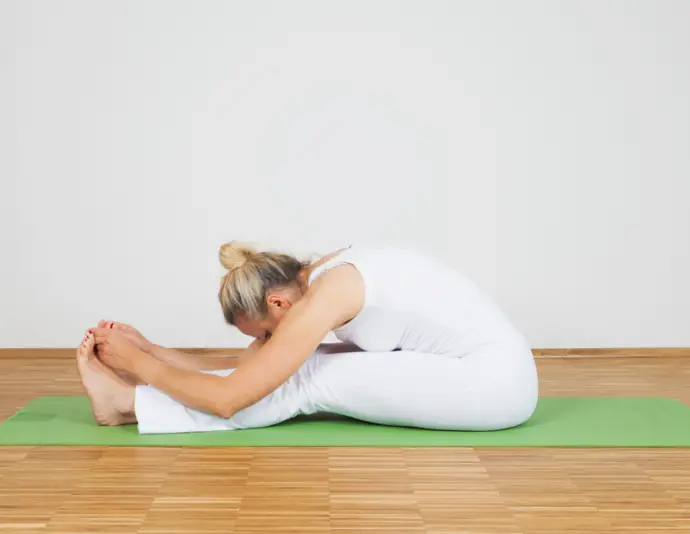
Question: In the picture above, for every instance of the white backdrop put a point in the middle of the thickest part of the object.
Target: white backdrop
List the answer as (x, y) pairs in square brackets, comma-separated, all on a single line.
[(541, 147)]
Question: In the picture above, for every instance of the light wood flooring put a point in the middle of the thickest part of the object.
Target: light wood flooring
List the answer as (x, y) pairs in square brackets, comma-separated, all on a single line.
[(348, 490)]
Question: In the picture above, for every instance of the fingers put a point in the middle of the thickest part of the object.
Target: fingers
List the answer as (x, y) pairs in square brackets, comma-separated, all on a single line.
[(101, 334)]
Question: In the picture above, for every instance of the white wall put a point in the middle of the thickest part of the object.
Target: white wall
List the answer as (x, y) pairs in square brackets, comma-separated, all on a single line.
[(541, 147)]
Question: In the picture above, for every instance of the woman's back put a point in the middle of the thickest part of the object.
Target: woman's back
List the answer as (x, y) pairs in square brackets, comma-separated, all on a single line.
[(415, 302)]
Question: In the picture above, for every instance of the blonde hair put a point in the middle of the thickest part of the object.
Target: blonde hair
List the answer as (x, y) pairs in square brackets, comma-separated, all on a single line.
[(251, 275)]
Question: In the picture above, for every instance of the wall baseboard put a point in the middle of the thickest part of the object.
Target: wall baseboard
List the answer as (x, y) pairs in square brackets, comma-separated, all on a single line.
[(637, 352), (58, 353), (594, 352)]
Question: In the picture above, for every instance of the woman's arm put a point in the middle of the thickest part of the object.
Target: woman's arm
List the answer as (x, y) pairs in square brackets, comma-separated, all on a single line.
[(177, 358), (333, 299), (203, 362)]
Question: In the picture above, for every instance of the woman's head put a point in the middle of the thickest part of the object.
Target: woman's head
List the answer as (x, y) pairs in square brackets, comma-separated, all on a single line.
[(258, 288)]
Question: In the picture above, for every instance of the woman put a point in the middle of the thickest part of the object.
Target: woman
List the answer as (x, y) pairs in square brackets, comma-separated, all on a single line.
[(425, 330)]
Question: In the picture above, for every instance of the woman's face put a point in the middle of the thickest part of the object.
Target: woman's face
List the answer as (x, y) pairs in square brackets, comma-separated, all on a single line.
[(260, 328), (278, 305)]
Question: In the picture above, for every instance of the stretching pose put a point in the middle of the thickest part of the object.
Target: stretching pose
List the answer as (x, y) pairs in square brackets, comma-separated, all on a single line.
[(431, 351)]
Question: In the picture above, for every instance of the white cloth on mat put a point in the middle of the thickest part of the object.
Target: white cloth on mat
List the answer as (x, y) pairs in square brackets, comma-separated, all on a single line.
[(487, 391)]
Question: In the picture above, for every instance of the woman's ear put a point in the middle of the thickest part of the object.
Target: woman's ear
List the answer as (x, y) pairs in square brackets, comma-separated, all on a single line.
[(279, 301)]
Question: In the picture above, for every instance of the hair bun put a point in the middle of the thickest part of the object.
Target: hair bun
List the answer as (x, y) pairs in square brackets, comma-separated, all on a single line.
[(233, 254)]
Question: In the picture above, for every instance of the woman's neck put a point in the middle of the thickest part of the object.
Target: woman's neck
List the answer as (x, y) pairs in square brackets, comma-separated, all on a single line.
[(306, 272)]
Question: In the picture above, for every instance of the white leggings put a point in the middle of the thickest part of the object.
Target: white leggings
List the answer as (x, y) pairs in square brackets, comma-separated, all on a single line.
[(487, 391)]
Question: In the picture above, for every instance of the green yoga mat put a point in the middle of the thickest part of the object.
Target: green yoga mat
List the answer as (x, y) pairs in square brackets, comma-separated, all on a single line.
[(558, 422)]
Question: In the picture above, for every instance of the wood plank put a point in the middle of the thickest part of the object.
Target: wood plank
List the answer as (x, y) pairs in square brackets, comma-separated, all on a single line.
[(632, 352), (345, 490), (62, 353), (635, 352)]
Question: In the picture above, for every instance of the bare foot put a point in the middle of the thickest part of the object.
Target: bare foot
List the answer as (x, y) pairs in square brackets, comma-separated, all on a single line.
[(132, 334), (112, 399)]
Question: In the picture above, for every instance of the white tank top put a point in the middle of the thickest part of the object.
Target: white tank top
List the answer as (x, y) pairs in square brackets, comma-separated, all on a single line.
[(414, 302)]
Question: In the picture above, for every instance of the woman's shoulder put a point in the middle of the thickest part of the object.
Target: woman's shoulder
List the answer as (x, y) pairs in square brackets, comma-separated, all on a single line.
[(328, 262), (336, 283), (371, 262), (363, 258)]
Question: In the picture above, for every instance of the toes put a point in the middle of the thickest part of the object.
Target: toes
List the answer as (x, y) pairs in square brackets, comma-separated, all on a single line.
[(86, 349), (101, 323), (82, 350), (90, 342), (104, 420)]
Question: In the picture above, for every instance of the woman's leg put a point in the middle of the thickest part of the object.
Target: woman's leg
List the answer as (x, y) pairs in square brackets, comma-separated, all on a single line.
[(488, 391), (158, 413), (116, 402)]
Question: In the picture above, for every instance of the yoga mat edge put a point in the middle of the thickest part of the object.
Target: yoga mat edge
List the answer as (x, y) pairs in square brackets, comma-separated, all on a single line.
[(557, 422)]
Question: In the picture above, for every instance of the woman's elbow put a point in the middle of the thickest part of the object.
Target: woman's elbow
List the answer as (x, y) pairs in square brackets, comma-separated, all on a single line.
[(226, 406), (222, 399), (224, 409)]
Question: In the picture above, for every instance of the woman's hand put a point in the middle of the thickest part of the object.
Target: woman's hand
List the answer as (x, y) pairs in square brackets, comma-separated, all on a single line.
[(131, 333), (115, 349)]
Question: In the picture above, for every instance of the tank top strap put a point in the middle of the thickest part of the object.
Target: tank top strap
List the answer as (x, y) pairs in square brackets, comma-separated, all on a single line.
[(349, 256)]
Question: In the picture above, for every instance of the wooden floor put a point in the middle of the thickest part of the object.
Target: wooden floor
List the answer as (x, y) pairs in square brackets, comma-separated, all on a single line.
[(305, 490)]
